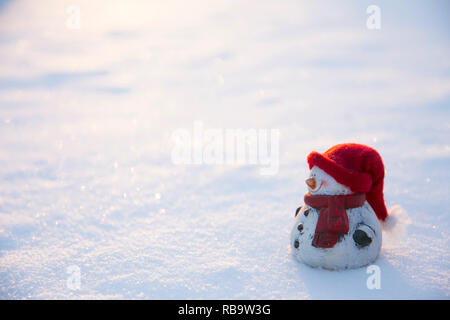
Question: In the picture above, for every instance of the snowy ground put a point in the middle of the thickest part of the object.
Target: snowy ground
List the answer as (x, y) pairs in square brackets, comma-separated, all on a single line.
[(87, 114)]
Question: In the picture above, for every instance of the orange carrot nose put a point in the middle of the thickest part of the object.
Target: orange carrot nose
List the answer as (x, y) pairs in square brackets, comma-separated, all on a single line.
[(311, 182)]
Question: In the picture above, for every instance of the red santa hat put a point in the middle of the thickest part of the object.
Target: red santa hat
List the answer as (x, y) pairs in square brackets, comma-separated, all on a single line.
[(358, 167)]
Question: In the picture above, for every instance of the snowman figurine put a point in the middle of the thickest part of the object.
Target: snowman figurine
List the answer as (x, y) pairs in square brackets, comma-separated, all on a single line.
[(339, 225)]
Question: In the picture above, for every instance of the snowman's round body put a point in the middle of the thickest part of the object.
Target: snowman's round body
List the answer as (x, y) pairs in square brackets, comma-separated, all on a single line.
[(357, 248)]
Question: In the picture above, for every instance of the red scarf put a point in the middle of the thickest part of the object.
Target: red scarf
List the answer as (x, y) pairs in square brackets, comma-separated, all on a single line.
[(333, 219)]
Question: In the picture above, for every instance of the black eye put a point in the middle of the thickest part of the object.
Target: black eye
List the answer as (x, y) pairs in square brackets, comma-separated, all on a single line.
[(306, 212), (298, 210)]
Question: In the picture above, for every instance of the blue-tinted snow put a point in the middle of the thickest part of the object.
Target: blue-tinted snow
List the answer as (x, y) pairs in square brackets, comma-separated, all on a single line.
[(86, 118)]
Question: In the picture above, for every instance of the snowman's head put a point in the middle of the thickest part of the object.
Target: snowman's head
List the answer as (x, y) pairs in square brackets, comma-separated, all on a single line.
[(320, 182)]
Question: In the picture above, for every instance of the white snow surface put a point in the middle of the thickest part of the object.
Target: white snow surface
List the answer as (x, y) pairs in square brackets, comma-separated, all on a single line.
[(87, 114)]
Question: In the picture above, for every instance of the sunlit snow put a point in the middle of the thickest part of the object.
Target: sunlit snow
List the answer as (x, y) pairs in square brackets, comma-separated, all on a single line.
[(88, 111)]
